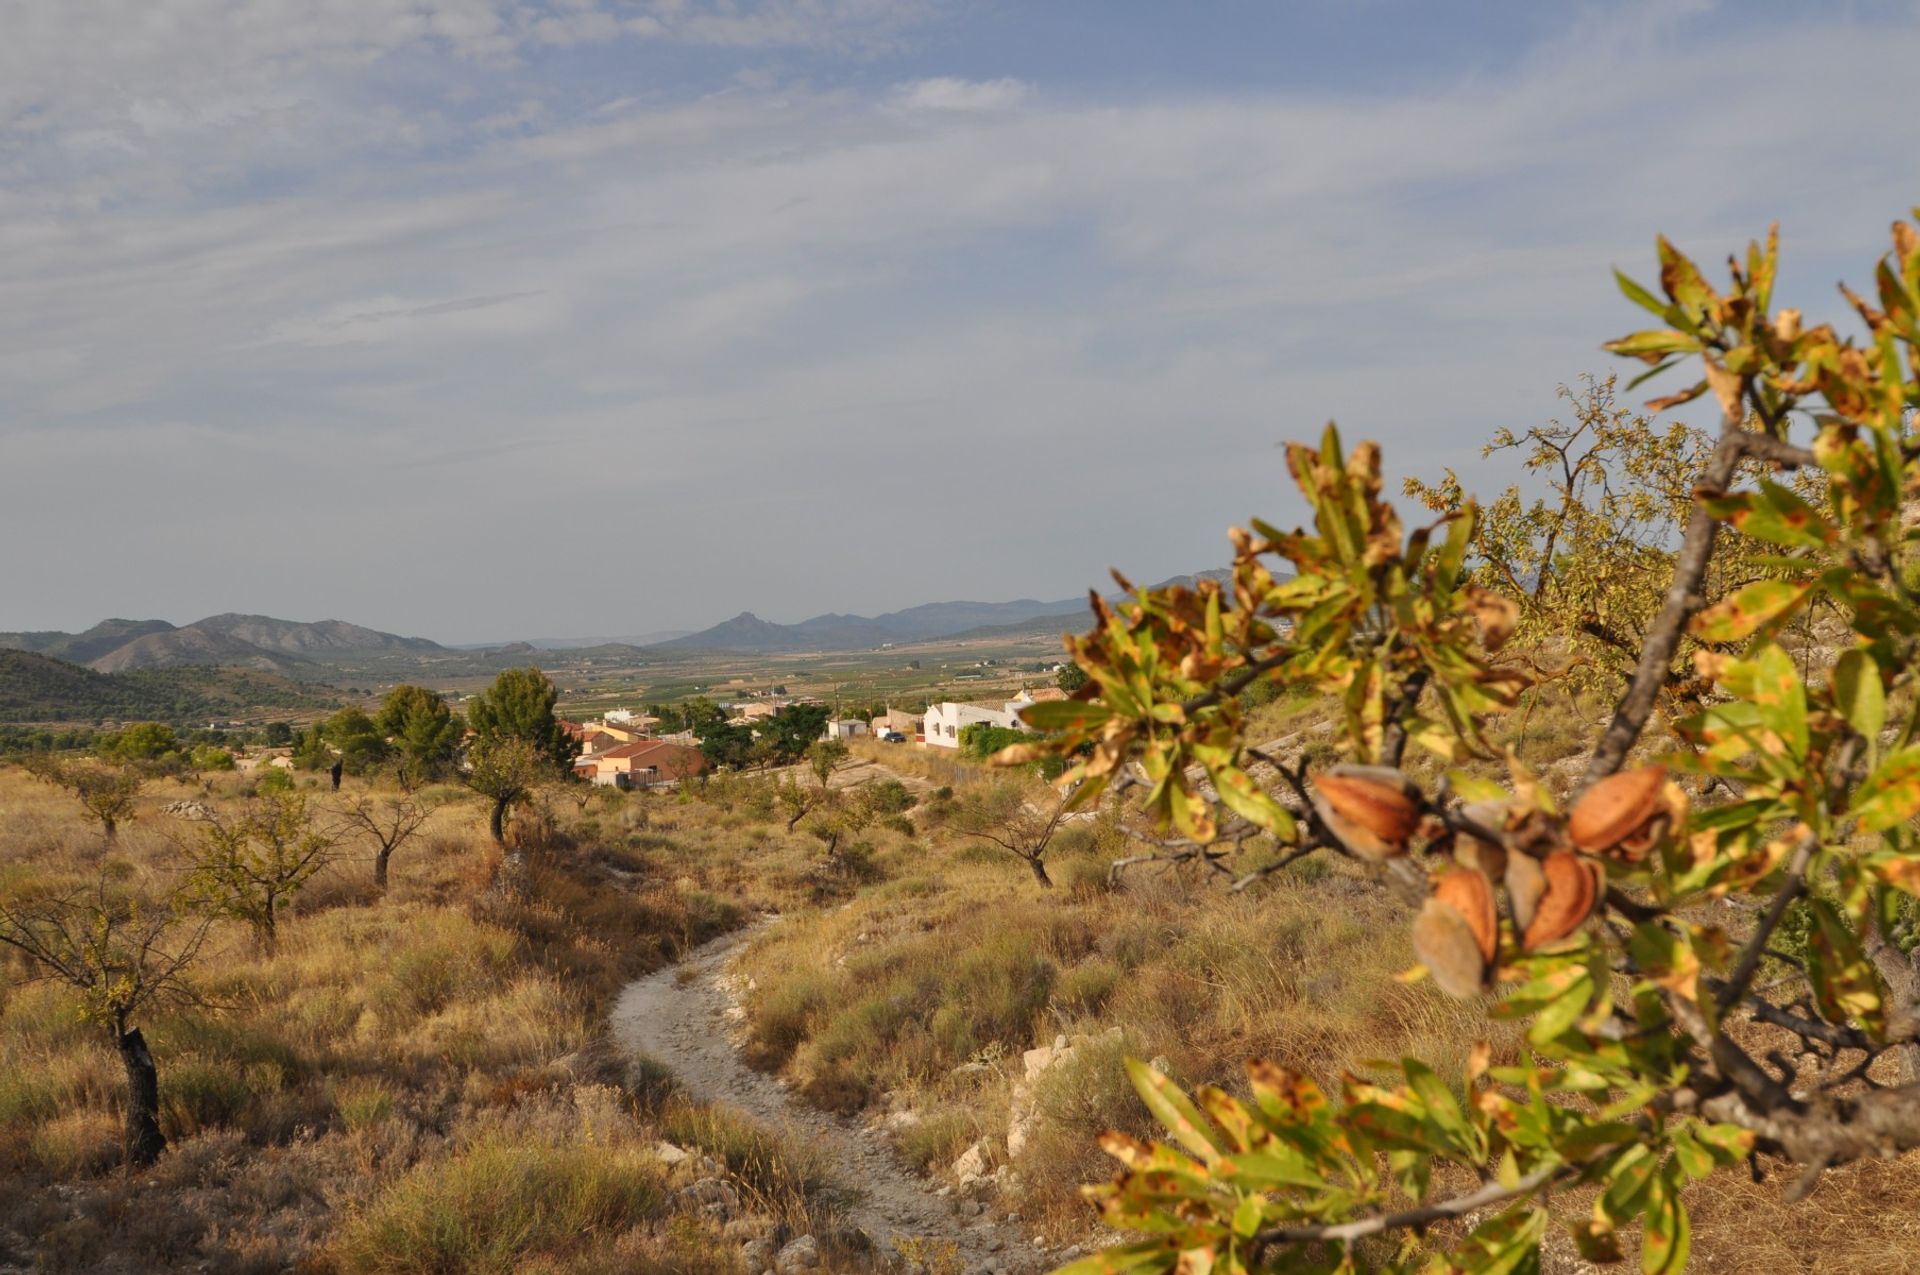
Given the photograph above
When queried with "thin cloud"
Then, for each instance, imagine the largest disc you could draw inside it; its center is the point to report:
(948, 93)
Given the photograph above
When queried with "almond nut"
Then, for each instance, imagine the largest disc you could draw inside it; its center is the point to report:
(1445, 942)
(1372, 809)
(1574, 889)
(1619, 812)
(1525, 884)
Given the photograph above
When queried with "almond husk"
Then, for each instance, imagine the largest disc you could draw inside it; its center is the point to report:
(1444, 940)
(1525, 884)
(1372, 809)
(1468, 892)
(1574, 888)
(1619, 809)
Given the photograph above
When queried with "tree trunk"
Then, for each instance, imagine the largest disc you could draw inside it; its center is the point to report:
(380, 868)
(144, 1141)
(1040, 872)
(497, 825)
(269, 926)
(1901, 972)
(110, 828)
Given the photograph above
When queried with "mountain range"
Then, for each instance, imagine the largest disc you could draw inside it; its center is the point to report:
(292, 648)
(749, 633)
(257, 642)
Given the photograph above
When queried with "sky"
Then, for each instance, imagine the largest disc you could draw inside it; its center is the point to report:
(488, 319)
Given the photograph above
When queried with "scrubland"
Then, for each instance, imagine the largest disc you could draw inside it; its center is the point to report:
(421, 1081)
(415, 1082)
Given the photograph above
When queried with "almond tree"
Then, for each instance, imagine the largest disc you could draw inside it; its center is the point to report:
(107, 793)
(389, 824)
(249, 868)
(1005, 816)
(123, 956)
(1640, 1004)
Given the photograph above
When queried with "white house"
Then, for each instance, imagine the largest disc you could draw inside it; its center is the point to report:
(844, 728)
(943, 721)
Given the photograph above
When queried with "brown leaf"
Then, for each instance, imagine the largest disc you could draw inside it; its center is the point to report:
(1496, 613)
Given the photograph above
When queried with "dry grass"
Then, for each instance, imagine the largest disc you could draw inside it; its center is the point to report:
(414, 1082)
(925, 989)
(420, 1082)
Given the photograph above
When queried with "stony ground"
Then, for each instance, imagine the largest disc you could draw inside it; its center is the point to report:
(685, 1017)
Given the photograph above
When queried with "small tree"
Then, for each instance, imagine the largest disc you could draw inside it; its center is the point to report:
(794, 729)
(519, 705)
(1007, 816)
(423, 729)
(389, 824)
(506, 770)
(249, 868)
(107, 793)
(123, 956)
(726, 745)
(353, 735)
(151, 744)
(824, 757)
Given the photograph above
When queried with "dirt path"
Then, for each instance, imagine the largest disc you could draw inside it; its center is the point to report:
(679, 1016)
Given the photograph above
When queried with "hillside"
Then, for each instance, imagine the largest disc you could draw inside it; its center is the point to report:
(83, 648)
(258, 642)
(40, 688)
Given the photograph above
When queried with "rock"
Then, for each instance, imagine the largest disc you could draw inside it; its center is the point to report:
(898, 1121)
(745, 1230)
(800, 1255)
(711, 1198)
(971, 1168)
(668, 1154)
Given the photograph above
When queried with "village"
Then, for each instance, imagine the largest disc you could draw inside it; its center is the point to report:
(625, 749)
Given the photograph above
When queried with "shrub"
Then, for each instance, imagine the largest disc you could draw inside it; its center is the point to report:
(497, 1205)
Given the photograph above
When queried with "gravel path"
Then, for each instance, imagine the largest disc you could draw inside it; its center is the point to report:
(681, 1017)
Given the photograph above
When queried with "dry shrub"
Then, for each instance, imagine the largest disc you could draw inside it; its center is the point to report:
(498, 1204)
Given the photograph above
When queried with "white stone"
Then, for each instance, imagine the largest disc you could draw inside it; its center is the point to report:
(800, 1255)
(971, 1167)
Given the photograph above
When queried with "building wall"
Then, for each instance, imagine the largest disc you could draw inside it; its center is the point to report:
(944, 721)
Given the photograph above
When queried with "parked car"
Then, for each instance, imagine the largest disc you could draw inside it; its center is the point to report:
(893, 737)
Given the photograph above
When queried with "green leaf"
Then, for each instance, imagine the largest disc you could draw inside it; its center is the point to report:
(1775, 514)
(1859, 695)
(1144, 1256)
(1667, 1234)
(1173, 1109)
(1781, 697)
(1069, 714)
(1745, 611)
(1891, 794)
(1563, 1011)
(1639, 295)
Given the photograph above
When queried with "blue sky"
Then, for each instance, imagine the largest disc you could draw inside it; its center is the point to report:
(493, 318)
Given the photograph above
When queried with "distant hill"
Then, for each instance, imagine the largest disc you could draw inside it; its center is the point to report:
(749, 633)
(258, 642)
(83, 648)
(315, 638)
(40, 688)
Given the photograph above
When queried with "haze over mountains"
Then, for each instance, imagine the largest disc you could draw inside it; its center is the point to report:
(270, 645)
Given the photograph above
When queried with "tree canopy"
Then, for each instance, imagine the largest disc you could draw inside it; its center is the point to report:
(423, 730)
(519, 705)
(1789, 785)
